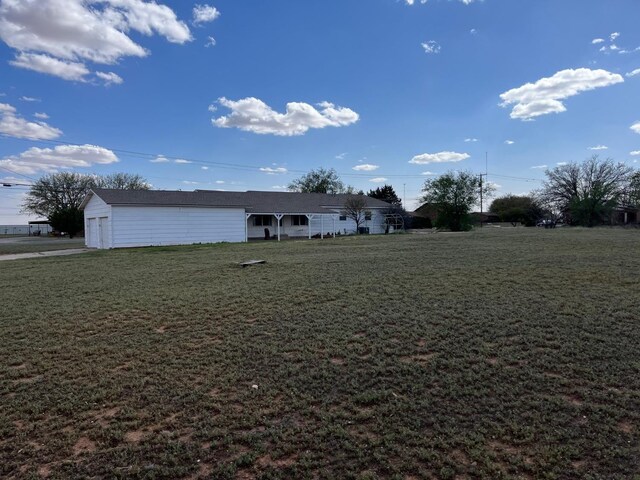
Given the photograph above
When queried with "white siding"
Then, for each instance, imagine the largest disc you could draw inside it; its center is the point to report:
(348, 226)
(319, 224)
(145, 226)
(97, 209)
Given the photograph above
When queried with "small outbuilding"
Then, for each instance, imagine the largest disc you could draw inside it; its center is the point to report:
(135, 218)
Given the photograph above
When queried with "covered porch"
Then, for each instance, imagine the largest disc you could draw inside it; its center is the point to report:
(291, 225)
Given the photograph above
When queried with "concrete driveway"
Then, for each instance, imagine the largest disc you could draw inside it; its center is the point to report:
(50, 253)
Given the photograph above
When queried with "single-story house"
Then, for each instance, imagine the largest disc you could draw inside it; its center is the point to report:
(135, 218)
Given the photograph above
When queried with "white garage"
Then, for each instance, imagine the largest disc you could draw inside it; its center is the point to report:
(130, 218)
(137, 218)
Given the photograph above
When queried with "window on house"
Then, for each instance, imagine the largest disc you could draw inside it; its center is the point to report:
(367, 215)
(298, 220)
(343, 218)
(262, 220)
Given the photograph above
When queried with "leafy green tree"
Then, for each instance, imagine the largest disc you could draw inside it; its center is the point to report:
(387, 194)
(69, 220)
(587, 192)
(318, 181)
(453, 195)
(517, 209)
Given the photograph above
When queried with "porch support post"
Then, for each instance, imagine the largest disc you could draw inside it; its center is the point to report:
(322, 226)
(333, 217)
(278, 218)
(246, 227)
(309, 217)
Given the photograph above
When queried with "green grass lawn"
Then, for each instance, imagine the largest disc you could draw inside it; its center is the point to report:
(493, 354)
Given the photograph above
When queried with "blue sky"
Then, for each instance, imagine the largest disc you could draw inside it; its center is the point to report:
(248, 94)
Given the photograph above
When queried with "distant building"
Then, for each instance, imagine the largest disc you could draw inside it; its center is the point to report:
(37, 227)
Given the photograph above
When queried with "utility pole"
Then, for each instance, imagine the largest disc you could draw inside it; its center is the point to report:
(486, 172)
(481, 188)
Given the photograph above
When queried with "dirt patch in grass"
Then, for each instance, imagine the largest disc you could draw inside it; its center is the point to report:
(84, 445)
(44, 471)
(626, 427)
(135, 436)
(268, 461)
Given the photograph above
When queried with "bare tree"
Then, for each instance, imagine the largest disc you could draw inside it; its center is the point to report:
(57, 191)
(586, 192)
(121, 181)
(354, 208)
(58, 196)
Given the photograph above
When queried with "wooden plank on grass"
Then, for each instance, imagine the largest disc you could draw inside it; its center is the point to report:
(252, 262)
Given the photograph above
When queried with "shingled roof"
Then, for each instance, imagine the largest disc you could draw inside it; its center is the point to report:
(251, 201)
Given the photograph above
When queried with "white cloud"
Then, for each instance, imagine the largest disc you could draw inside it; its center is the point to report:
(253, 115)
(212, 108)
(633, 73)
(182, 162)
(431, 47)
(109, 78)
(204, 168)
(509, 142)
(41, 116)
(614, 35)
(562, 164)
(189, 182)
(341, 156)
(470, 140)
(57, 36)
(599, 147)
(365, 167)
(538, 167)
(211, 42)
(37, 159)
(13, 125)
(220, 182)
(204, 13)
(636, 127)
(29, 99)
(544, 96)
(473, 31)
(279, 187)
(52, 66)
(378, 180)
(160, 159)
(273, 171)
(596, 41)
(428, 173)
(440, 157)
(635, 153)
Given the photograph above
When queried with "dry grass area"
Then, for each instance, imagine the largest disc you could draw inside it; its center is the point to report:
(15, 244)
(494, 354)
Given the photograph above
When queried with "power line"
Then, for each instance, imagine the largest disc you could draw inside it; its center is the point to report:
(236, 166)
